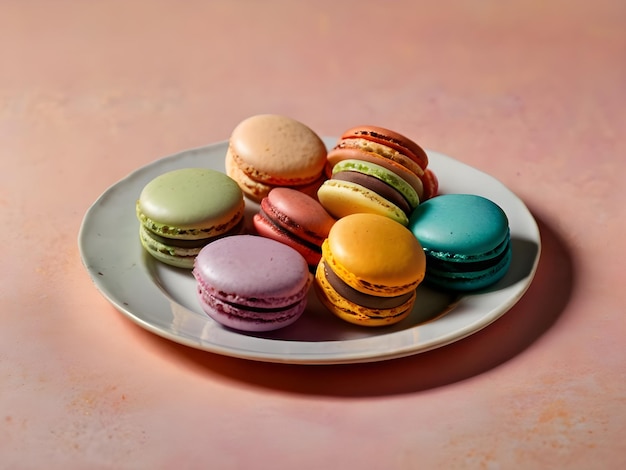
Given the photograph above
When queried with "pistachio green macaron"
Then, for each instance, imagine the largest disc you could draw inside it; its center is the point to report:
(183, 210)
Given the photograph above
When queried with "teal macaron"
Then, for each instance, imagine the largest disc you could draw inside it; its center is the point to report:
(466, 239)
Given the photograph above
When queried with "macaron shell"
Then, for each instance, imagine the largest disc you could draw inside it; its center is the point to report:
(256, 190)
(339, 154)
(268, 229)
(455, 261)
(390, 138)
(190, 203)
(248, 320)
(354, 313)
(430, 183)
(464, 225)
(383, 174)
(473, 280)
(299, 213)
(249, 270)
(381, 150)
(167, 254)
(277, 150)
(177, 252)
(342, 198)
(375, 185)
(374, 255)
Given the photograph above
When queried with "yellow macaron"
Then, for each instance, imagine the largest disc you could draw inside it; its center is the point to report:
(371, 266)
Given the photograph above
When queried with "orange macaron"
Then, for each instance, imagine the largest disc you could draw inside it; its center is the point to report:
(268, 150)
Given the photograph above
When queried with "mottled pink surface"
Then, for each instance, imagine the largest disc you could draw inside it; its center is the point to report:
(531, 92)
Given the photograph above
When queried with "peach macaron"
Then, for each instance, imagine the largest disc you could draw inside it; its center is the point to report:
(269, 150)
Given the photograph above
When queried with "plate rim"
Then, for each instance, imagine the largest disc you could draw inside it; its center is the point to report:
(302, 357)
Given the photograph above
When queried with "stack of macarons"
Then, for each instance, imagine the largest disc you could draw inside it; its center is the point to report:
(182, 210)
(295, 219)
(370, 269)
(376, 170)
(268, 150)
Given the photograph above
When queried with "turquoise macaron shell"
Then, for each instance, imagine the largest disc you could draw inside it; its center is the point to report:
(460, 226)
(466, 239)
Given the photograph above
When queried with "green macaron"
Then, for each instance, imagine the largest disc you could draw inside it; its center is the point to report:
(183, 210)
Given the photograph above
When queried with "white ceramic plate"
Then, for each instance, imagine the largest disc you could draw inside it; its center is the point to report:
(162, 299)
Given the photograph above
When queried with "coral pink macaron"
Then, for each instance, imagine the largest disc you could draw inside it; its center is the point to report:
(295, 219)
(252, 283)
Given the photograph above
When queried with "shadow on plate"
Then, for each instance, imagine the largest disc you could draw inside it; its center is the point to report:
(537, 311)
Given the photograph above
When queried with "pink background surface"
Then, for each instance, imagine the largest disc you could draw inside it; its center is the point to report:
(532, 92)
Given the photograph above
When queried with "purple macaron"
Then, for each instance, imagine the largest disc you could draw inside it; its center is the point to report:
(251, 283)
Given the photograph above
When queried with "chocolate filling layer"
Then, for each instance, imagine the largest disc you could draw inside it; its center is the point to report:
(378, 186)
(359, 298)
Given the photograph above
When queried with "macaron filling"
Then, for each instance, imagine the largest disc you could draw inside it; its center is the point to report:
(360, 298)
(288, 224)
(392, 139)
(377, 186)
(465, 263)
(257, 304)
(243, 310)
(342, 198)
(383, 174)
(341, 153)
(186, 243)
(355, 146)
(176, 256)
(270, 219)
(456, 269)
(470, 280)
(352, 312)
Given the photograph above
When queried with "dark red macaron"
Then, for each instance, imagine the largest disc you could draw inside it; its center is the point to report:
(295, 219)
